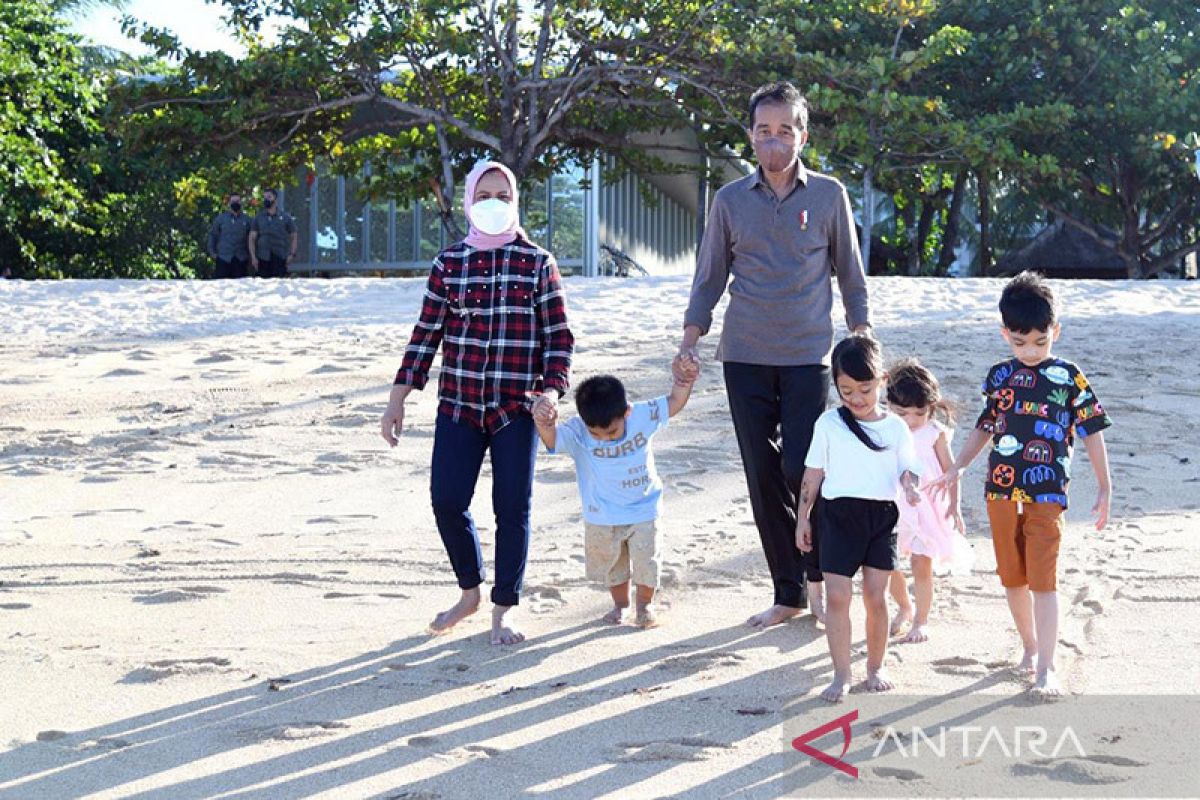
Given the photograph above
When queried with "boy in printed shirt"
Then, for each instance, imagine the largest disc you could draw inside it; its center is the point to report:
(1036, 404)
(618, 484)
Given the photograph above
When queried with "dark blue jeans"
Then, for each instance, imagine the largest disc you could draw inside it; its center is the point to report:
(458, 450)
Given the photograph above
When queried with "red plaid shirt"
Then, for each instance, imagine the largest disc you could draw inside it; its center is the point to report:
(501, 318)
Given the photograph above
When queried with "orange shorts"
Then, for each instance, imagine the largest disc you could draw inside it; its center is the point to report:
(1025, 537)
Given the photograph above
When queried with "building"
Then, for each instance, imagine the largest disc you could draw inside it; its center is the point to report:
(574, 215)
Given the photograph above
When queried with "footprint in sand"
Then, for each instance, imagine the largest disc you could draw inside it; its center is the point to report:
(543, 599)
(162, 670)
(214, 358)
(1097, 770)
(897, 773)
(293, 731)
(701, 662)
(688, 748)
(14, 606)
(123, 372)
(180, 595)
(959, 665)
(326, 369)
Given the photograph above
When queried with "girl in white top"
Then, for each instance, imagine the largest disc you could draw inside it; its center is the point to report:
(930, 533)
(861, 457)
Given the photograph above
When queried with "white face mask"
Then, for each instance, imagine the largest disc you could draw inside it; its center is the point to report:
(492, 216)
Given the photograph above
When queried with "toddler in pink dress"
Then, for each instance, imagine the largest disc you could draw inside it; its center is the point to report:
(931, 533)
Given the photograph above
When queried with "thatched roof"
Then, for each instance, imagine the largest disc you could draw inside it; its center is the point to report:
(1064, 251)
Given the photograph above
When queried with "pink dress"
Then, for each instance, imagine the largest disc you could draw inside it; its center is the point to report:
(923, 529)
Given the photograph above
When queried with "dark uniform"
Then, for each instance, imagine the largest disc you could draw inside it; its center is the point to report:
(228, 243)
(274, 242)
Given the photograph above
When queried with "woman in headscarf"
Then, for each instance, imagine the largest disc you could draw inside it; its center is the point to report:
(494, 302)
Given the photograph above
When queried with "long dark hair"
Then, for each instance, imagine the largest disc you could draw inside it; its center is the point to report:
(858, 357)
(912, 385)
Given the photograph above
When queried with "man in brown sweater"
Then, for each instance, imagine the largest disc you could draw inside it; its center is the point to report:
(780, 233)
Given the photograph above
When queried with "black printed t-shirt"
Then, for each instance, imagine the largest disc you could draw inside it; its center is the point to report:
(1033, 415)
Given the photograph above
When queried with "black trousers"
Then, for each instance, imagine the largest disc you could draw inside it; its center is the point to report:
(233, 268)
(774, 410)
(273, 267)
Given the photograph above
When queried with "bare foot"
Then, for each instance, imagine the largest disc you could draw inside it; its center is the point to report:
(903, 617)
(646, 618)
(816, 601)
(467, 605)
(501, 633)
(1046, 684)
(1026, 665)
(918, 633)
(614, 617)
(835, 692)
(878, 681)
(772, 616)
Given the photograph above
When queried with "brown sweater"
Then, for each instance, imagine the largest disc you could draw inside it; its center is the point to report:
(780, 254)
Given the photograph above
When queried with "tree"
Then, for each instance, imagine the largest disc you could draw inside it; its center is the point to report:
(877, 73)
(420, 90)
(1132, 72)
(47, 111)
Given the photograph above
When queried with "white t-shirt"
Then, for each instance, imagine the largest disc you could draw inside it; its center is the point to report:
(854, 470)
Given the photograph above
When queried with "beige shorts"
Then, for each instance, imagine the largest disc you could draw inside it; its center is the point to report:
(616, 553)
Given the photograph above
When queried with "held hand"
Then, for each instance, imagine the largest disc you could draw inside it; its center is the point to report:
(392, 423)
(545, 408)
(912, 495)
(686, 365)
(804, 535)
(943, 483)
(1101, 509)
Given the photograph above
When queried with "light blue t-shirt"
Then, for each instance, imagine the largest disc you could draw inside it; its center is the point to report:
(618, 483)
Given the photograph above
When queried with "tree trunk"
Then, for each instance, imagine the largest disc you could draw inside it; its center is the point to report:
(950, 237)
(909, 215)
(985, 220)
(1130, 249)
(868, 217)
(929, 207)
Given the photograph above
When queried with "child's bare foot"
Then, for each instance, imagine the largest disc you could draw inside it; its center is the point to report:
(816, 602)
(615, 616)
(903, 617)
(646, 618)
(918, 633)
(1047, 684)
(835, 692)
(878, 681)
(501, 633)
(467, 605)
(772, 616)
(1025, 667)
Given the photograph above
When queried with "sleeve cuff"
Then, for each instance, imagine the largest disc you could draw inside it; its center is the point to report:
(408, 377)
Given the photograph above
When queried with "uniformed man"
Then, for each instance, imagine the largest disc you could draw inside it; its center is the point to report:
(272, 238)
(228, 240)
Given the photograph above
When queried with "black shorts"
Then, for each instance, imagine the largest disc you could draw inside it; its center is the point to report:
(858, 533)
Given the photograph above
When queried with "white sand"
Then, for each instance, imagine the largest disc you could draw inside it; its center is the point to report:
(195, 502)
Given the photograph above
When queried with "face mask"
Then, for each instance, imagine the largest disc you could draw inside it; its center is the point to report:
(492, 216)
(236, 207)
(773, 154)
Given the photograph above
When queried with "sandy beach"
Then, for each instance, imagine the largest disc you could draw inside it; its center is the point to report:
(215, 576)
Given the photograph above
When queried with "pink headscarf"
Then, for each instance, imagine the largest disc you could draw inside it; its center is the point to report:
(475, 237)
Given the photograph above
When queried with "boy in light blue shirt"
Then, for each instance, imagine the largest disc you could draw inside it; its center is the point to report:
(618, 484)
